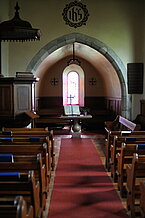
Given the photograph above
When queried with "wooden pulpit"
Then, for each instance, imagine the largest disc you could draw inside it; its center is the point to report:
(17, 101)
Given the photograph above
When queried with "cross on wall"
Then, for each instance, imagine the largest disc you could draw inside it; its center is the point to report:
(54, 81)
(92, 81)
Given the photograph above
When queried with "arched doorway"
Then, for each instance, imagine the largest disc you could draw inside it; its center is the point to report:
(96, 45)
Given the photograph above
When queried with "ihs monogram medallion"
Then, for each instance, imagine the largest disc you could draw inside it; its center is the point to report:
(75, 14)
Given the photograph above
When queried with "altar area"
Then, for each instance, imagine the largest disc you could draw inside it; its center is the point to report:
(75, 123)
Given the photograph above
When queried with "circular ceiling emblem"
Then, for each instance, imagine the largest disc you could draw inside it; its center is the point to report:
(75, 14)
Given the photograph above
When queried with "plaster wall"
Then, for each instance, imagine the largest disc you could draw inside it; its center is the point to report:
(118, 24)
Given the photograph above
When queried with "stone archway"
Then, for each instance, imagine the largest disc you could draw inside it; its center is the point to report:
(107, 52)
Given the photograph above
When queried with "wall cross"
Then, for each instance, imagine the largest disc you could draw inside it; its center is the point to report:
(92, 81)
(54, 81)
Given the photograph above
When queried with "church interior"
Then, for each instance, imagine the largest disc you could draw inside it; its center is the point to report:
(88, 55)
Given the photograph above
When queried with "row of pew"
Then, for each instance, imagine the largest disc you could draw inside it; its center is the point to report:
(125, 160)
(27, 159)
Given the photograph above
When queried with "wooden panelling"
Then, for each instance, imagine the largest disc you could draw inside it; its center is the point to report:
(95, 102)
(101, 109)
(22, 92)
(49, 102)
(5, 99)
(114, 105)
(142, 107)
(15, 101)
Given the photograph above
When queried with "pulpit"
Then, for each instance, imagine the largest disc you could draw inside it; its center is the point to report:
(17, 101)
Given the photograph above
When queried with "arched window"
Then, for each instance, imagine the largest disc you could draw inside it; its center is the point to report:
(73, 88)
(73, 85)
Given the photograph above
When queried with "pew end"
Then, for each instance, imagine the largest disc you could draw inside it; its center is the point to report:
(135, 174)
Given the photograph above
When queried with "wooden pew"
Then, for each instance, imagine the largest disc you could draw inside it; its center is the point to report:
(23, 184)
(124, 157)
(15, 208)
(118, 126)
(107, 144)
(116, 148)
(142, 199)
(48, 139)
(28, 138)
(25, 163)
(135, 174)
(25, 140)
(35, 132)
(24, 128)
(27, 149)
(36, 147)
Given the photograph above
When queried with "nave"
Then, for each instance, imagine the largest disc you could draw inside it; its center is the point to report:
(97, 140)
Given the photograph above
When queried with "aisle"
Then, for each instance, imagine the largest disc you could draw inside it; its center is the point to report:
(82, 188)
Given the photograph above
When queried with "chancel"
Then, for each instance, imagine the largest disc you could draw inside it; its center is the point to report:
(90, 64)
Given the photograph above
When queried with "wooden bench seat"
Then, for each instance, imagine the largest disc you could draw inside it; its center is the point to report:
(20, 149)
(24, 129)
(109, 140)
(24, 184)
(119, 126)
(116, 148)
(35, 132)
(110, 137)
(25, 163)
(142, 199)
(124, 157)
(28, 145)
(135, 174)
(15, 208)
(31, 138)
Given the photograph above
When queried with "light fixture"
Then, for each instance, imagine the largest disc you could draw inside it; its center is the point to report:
(17, 29)
(74, 60)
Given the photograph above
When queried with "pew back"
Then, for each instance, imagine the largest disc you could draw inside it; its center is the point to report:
(135, 174)
(24, 184)
(116, 148)
(142, 198)
(15, 208)
(25, 163)
(109, 140)
(35, 135)
(28, 149)
(125, 157)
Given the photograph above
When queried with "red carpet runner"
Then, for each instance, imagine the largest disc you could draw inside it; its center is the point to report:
(82, 188)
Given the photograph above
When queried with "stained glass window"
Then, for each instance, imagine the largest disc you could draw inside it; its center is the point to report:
(73, 88)
(73, 85)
